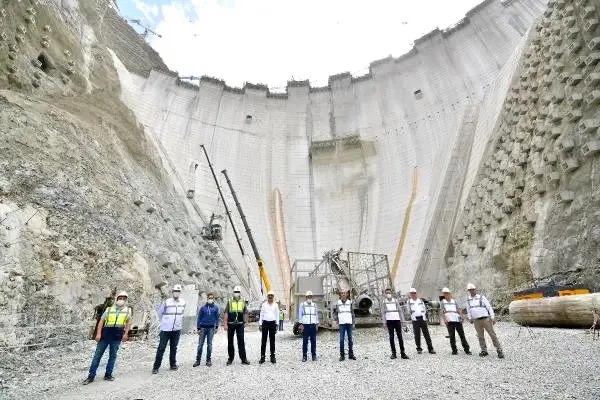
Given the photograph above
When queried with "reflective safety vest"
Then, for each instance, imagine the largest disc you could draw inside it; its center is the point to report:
(281, 315)
(450, 309)
(417, 309)
(236, 311)
(116, 318)
(476, 307)
(309, 315)
(344, 311)
(391, 310)
(173, 314)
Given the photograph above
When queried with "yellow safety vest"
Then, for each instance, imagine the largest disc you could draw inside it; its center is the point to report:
(236, 306)
(116, 318)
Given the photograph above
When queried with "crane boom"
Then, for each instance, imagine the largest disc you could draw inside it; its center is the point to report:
(261, 268)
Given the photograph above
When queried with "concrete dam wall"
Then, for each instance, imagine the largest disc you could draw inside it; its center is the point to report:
(343, 160)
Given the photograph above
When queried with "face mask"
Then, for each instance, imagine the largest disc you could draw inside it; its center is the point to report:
(120, 303)
(388, 295)
(210, 301)
(237, 295)
(309, 301)
(176, 295)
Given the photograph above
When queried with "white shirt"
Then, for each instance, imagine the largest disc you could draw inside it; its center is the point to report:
(450, 310)
(344, 312)
(391, 311)
(479, 307)
(417, 309)
(269, 312)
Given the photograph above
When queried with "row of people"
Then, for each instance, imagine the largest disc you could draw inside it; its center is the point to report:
(115, 324)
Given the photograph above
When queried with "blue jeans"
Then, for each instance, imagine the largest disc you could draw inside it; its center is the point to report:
(113, 347)
(171, 337)
(205, 333)
(309, 332)
(346, 328)
(280, 324)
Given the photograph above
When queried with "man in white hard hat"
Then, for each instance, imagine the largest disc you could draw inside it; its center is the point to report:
(453, 319)
(481, 314)
(308, 316)
(390, 314)
(113, 328)
(418, 315)
(344, 316)
(268, 323)
(235, 318)
(170, 315)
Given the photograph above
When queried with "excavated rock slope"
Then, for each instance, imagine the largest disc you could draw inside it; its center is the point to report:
(85, 203)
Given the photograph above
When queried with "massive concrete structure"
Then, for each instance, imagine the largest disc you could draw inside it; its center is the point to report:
(344, 158)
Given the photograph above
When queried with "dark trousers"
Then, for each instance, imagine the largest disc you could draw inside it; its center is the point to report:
(418, 326)
(238, 330)
(397, 327)
(346, 329)
(454, 327)
(268, 328)
(113, 347)
(309, 333)
(171, 337)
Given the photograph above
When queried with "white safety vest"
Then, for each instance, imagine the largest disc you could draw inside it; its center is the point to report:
(344, 312)
(173, 314)
(309, 316)
(392, 313)
(450, 309)
(417, 309)
(478, 307)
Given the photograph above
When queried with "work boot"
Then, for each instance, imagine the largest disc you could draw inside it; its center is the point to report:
(303, 358)
(246, 362)
(468, 352)
(500, 354)
(196, 363)
(108, 377)
(342, 357)
(262, 360)
(351, 356)
(229, 362)
(432, 351)
(154, 371)
(174, 367)
(314, 358)
(208, 363)
(419, 351)
(404, 356)
(88, 380)
(273, 360)
(393, 357)
(483, 354)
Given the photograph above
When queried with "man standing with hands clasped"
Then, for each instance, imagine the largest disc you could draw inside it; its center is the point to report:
(344, 314)
(207, 325)
(453, 319)
(268, 323)
(390, 313)
(170, 315)
(234, 320)
(418, 315)
(308, 315)
(481, 314)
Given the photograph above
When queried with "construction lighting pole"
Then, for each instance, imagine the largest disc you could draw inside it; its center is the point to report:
(237, 237)
(259, 261)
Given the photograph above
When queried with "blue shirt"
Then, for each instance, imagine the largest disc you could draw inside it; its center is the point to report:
(208, 316)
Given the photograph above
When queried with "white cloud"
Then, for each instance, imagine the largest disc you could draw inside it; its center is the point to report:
(149, 11)
(270, 41)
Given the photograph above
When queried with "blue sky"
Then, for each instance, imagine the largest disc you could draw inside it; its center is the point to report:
(272, 41)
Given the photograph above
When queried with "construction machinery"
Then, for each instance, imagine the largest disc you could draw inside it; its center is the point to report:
(364, 275)
(147, 30)
(212, 231)
(261, 268)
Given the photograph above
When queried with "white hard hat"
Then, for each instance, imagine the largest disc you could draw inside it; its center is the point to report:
(446, 290)
(122, 294)
(237, 288)
(308, 293)
(270, 293)
(471, 286)
(177, 288)
(413, 290)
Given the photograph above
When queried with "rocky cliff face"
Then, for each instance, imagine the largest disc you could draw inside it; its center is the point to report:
(532, 213)
(86, 205)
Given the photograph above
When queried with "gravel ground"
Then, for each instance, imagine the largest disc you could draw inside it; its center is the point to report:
(554, 364)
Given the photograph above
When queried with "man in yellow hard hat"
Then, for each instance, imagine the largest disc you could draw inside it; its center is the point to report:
(113, 328)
